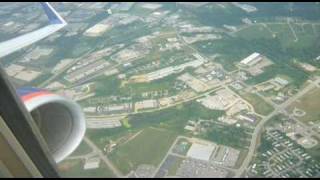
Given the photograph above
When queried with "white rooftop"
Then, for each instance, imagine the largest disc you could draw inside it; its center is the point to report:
(281, 81)
(13, 69)
(189, 128)
(250, 58)
(92, 163)
(200, 151)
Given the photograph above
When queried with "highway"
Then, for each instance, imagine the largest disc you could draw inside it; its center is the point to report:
(161, 108)
(258, 128)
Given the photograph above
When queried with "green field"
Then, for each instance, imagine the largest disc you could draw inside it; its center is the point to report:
(215, 15)
(74, 169)
(149, 147)
(101, 137)
(173, 119)
(303, 48)
(161, 84)
(111, 85)
(140, 11)
(82, 149)
(309, 103)
(260, 106)
(106, 86)
(281, 48)
(314, 152)
(283, 32)
(294, 74)
(309, 29)
(255, 31)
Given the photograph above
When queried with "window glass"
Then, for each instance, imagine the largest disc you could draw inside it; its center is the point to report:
(186, 89)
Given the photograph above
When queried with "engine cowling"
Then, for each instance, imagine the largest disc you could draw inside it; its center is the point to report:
(60, 120)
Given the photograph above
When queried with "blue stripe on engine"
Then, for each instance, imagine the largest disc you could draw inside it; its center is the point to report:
(27, 90)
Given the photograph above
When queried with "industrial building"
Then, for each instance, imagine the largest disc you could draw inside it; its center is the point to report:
(146, 104)
(97, 30)
(22, 73)
(194, 83)
(252, 59)
(201, 151)
(95, 123)
(92, 163)
(87, 71)
(111, 109)
(281, 81)
(161, 73)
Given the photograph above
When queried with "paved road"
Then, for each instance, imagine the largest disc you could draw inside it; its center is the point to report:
(103, 157)
(292, 30)
(161, 108)
(257, 130)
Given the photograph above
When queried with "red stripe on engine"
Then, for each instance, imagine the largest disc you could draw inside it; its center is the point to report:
(32, 95)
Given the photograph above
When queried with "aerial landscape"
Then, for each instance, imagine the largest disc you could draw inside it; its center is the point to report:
(177, 89)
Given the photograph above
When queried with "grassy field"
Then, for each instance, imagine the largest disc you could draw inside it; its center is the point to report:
(283, 32)
(294, 74)
(149, 147)
(314, 152)
(138, 88)
(259, 105)
(82, 149)
(173, 119)
(106, 86)
(309, 103)
(254, 32)
(139, 11)
(101, 137)
(317, 29)
(74, 168)
(305, 34)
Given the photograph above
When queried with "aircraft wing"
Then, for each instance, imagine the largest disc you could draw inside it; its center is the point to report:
(56, 23)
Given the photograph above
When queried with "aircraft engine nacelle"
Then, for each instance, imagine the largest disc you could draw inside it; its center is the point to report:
(60, 120)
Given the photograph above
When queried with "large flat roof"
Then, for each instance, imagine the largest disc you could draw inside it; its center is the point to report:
(250, 58)
(200, 151)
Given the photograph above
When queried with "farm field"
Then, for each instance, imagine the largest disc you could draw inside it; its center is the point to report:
(310, 104)
(149, 147)
(74, 168)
